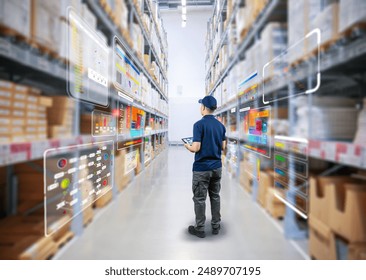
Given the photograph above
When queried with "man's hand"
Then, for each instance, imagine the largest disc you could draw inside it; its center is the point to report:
(196, 146)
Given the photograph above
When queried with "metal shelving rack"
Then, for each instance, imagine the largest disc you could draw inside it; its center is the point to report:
(346, 55)
(49, 75)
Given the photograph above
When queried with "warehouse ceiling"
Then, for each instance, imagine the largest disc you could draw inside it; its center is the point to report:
(174, 4)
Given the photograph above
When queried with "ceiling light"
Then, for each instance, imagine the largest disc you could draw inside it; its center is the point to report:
(184, 2)
(184, 23)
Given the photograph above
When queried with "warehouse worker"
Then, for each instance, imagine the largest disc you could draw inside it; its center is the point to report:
(208, 141)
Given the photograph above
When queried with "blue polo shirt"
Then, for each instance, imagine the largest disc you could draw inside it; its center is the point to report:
(210, 133)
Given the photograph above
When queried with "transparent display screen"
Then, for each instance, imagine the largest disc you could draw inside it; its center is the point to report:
(88, 67)
(286, 69)
(75, 177)
(291, 171)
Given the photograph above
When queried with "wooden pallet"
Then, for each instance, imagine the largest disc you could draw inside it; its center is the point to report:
(354, 31)
(63, 240)
(26, 247)
(44, 49)
(9, 32)
(299, 61)
(104, 199)
(88, 215)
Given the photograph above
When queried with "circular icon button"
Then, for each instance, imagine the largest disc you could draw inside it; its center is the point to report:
(62, 163)
(105, 182)
(65, 183)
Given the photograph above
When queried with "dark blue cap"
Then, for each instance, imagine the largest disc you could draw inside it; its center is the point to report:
(209, 102)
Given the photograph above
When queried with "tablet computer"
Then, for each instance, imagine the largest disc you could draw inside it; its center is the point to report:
(187, 140)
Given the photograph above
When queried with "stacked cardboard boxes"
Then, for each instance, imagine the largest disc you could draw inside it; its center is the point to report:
(22, 113)
(45, 24)
(301, 16)
(351, 13)
(337, 208)
(328, 22)
(20, 24)
(273, 42)
(121, 179)
(60, 117)
(247, 15)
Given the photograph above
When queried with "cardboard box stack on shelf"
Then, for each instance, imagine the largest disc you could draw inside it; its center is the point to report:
(301, 16)
(61, 124)
(137, 39)
(22, 113)
(45, 24)
(121, 179)
(273, 42)
(336, 216)
(351, 14)
(328, 22)
(30, 186)
(23, 235)
(246, 16)
(331, 118)
(16, 25)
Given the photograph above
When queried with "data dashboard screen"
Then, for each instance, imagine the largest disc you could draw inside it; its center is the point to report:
(255, 127)
(126, 76)
(88, 67)
(75, 177)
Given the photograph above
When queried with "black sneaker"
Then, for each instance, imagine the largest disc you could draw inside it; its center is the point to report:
(215, 231)
(192, 230)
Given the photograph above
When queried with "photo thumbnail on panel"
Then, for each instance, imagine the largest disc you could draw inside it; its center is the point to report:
(88, 62)
(290, 68)
(75, 177)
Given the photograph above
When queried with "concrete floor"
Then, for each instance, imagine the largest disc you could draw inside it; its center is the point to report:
(149, 220)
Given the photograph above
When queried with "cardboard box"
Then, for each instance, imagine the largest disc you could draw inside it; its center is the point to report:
(45, 24)
(275, 207)
(45, 101)
(322, 242)
(348, 204)
(104, 198)
(6, 93)
(357, 251)
(60, 118)
(320, 206)
(351, 12)
(59, 131)
(16, 15)
(6, 85)
(265, 182)
(328, 22)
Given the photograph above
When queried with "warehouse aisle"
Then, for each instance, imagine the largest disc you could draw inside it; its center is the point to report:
(149, 220)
